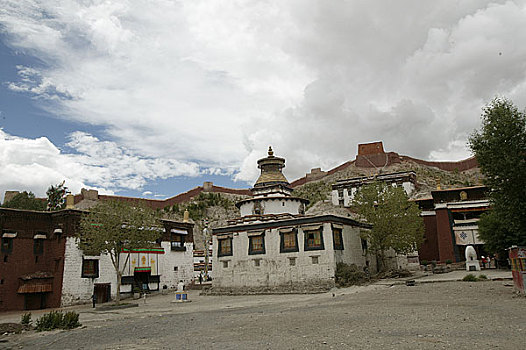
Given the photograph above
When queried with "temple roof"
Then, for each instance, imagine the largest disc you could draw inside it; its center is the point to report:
(271, 170)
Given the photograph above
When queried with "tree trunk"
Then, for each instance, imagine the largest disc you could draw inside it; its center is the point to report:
(381, 260)
(118, 291)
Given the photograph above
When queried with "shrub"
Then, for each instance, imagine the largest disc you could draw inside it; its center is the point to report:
(348, 275)
(424, 262)
(70, 320)
(483, 277)
(470, 278)
(448, 261)
(56, 319)
(49, 321)
(26, 319)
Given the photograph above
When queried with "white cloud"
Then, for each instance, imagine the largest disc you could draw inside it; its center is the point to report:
(215, 83)
(35, 164)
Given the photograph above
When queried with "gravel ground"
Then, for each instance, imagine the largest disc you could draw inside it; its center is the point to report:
(457, 315)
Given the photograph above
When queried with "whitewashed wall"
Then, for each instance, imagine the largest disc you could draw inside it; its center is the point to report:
(272, 206)
(275, 269)
(184, 261)
(75, 288)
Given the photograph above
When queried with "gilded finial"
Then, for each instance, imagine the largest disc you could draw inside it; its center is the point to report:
(270, 151)
(439, 187)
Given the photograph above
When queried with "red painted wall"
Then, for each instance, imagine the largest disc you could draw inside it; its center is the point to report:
(22, 261)
(429, 248)
(444, 236)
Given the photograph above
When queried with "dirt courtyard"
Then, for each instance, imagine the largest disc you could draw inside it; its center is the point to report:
(448, 315)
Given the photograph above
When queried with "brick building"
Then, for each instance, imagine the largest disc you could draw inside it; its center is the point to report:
(41, 265)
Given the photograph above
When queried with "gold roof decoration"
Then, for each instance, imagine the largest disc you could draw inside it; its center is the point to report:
(271, 167)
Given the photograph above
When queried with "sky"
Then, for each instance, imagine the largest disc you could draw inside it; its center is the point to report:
(151, 98)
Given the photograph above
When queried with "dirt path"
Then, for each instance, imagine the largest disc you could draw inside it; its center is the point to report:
(455, 315)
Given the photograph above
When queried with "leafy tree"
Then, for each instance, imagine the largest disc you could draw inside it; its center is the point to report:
(500, 149)
(56, 197)
(396, 222)
(25, 200)
(114, 227)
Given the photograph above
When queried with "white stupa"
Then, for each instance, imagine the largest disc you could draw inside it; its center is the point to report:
(272, 193)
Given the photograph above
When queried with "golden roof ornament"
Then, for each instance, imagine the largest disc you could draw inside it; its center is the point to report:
(270, 151)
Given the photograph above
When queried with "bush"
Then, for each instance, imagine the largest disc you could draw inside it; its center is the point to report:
(56, 319)
(424, 262)
(448, 261)
(70, 320)
(26, 319)
(348, 275)
(483, 277)
(470, 278)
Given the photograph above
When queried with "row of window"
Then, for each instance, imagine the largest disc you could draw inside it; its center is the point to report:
(288, 242)
(7, 246)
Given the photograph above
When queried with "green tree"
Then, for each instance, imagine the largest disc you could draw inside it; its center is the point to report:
(56, 197)
(114, 228)
(500, 149)
(396, 222)
(25, 200)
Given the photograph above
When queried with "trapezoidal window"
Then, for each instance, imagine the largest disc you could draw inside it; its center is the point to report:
(288, 240)
(90, 268)
(256, 244)
(313, 239)
(224, 246)
(337, 238)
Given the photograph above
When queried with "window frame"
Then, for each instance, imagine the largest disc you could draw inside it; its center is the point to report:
(282, 248)
(38, 246)
(9, 248)
(321, 246)
(337, 232)
(95, 273)
(251, 250)
(173, 240)
(220, 247)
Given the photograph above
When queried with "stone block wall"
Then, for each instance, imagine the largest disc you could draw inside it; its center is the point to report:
(302, 271)
(176, 265)
(77, 289)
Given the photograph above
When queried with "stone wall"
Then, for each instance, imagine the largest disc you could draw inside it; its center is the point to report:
(176, 266)
(273, 272)
(77, 289)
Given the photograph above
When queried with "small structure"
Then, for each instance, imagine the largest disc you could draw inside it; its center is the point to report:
(275, 247)
(343, 191)
(517, 257)
(472, 263)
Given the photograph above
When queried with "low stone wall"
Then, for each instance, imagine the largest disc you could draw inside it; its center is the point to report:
(296, 288)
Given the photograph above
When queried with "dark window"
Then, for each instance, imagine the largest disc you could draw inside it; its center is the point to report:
(292, 261)
(314, 240)
(289, 241)
(7, 245)
(225, 246)
(177, 242)
(90, 268)
(38, 246)
(256, 244)
(364, 245)
(337, 238)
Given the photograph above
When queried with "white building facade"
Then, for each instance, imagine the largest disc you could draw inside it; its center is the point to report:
(147, 270)
(275, 247)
